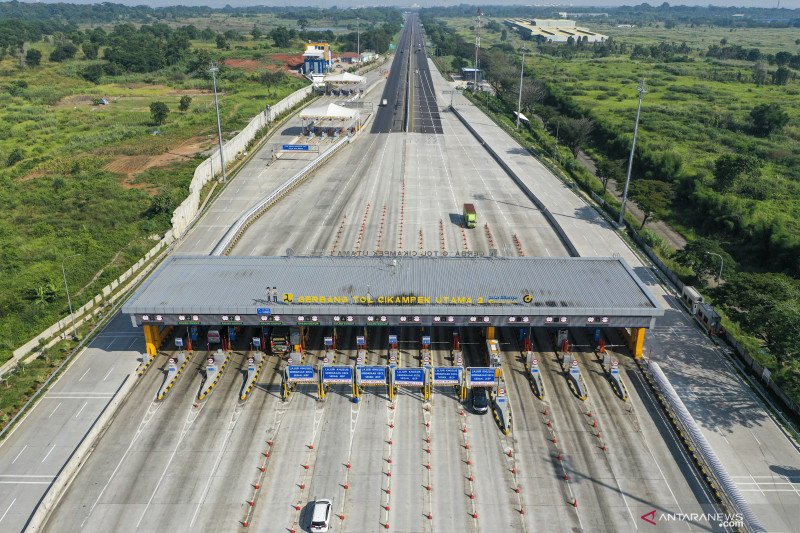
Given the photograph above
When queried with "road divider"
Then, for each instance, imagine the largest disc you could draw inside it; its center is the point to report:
(214, 370)
(175, 367)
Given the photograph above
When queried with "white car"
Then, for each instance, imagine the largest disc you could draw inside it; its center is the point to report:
(321, 517)
(384, 102)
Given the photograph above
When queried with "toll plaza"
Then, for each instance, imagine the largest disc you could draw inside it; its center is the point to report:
(553, 292)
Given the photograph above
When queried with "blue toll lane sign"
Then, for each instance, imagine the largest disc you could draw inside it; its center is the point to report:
(337, 374)
(372, 375)
(300, 374)
(446, 375)
(482, 376)
(409, 377)
(296, 147)
(264, 311)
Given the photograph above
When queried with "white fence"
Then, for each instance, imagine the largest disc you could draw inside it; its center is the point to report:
(181, 219)
(186, 212)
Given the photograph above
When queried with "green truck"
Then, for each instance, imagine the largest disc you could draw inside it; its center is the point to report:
(470, 217)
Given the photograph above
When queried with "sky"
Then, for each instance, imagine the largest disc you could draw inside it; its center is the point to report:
(792, 4)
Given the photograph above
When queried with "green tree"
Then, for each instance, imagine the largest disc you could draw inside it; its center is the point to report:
(90, 50)
(280, 36)
(609, 169)
(759, 73)
(302, 23)
(222, 43)
(696, 256)
(504, 34)
(781, 76)
(575, 132)
(768, 118)
(15, 157)
(33, 57)
(92, 73)
(63, 52)
(159, 112)
(653, 197)
(729, 168)
(184, 103)
(459, 63)
(256, 33)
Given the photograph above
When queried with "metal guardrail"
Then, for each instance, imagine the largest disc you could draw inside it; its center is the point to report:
(232, 236)
(729, 488)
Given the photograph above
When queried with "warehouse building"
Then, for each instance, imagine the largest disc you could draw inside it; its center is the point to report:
(553, 30)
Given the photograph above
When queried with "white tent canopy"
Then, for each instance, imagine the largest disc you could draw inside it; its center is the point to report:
(329, 111)
(345, 78)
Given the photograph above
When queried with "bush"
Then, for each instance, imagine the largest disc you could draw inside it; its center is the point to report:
(15, 157)
(63, 52)
(159, 112)
(33, 57)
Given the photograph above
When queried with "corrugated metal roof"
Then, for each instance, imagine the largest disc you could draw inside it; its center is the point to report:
(203, 284)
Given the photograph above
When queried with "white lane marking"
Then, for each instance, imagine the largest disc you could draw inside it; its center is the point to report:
(56, 409)
(81, 409)
(84, 374)
(26, 475)
(25, 482)
(110, 370)
(148, 416)
(754, 436)
(79, 397)
(191, 416)
(20, 453)
(723, 436)
(53, 447)
(231, 426)
(8, 509)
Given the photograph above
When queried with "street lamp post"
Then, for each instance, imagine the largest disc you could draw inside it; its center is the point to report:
(213, 70)
(66, 288)
(521, 73)
(642, 91)
(721, 262)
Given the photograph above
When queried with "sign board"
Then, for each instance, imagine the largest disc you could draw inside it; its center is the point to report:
(337, 374)
(329, 341)
(179, 342)
(360, 341)
(392, 339)
(482, 376)
(574, 370)
(300, 374)
(256, 342)
(296, 147)
(263, 311)
(596, 335)
(446, 375)
(372, 375)
(409, 377)
(426, 340)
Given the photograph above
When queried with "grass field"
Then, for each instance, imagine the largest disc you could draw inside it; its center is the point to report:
(100, 180)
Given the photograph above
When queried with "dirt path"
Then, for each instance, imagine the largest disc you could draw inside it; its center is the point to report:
(674, 239)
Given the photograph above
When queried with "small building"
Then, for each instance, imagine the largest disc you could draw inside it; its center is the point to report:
(350, 57)
(368, 56)
(553, 30)
(468, 74)
(317, 58)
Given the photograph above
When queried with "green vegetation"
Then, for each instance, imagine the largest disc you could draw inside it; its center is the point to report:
(718, 152)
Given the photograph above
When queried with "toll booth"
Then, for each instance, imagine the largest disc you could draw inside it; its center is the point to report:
(425, 352)
(458, 357)
(361, 348)
(329, 356)
(394, 351)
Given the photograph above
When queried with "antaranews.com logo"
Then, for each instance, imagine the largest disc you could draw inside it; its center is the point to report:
(720, 519)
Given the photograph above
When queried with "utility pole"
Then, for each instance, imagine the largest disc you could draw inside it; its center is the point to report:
(521, 73)
(642, 92)
(66, 288)
(477, 45)
(358, 38)
(213, 70)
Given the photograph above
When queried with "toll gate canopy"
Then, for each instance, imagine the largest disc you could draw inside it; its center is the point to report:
(394, 291)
